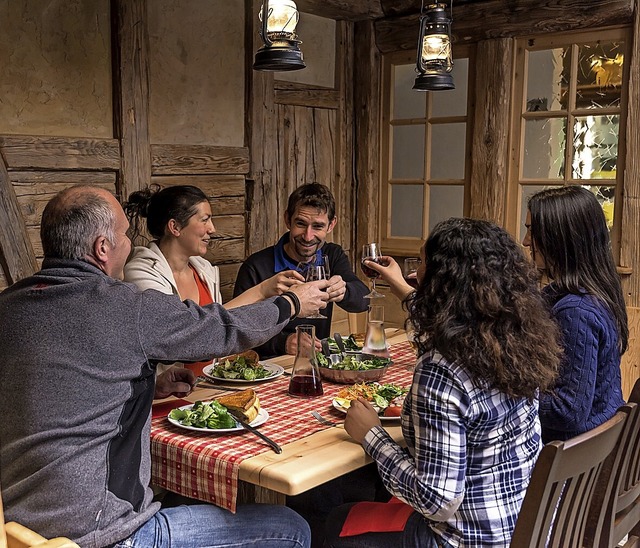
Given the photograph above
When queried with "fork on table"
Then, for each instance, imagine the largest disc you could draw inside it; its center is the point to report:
(324, 420)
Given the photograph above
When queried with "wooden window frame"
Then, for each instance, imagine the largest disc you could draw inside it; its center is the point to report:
(513, 209)
(405, 245)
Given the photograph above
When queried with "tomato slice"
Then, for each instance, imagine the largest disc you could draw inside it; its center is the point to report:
(392, 411)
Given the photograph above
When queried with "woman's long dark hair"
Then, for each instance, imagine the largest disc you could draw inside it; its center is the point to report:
(569, 230)
(158, 206)
(479, 305)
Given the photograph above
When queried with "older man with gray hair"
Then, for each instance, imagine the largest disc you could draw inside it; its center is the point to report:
(77, 378)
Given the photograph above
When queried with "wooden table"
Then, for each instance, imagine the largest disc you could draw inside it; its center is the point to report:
(311, 461)
(303, 464)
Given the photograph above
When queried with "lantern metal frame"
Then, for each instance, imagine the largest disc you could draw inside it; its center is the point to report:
(281, 51)
(435, 74)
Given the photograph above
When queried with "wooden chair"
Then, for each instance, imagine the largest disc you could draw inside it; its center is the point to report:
(622, 507)
(14, 535)
(556, 506)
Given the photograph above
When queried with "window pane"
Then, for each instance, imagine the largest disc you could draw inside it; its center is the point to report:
(445, 201)
(525, 193)
(548, 80)
(407, 103)
(595, 147)
(447, 151)
(605, 195)
(544, 142)
(408, 152)
(453, 102)
(600, 75)
(407, 210)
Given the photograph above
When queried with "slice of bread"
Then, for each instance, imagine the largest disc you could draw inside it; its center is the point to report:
(251, 356)
(245, 402)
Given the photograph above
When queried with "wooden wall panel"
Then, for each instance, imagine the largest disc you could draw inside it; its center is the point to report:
(229, 226)
(228, 274)
(226, 250)
(32, 205)
(213, 186)
(59, 153)
(198, 159)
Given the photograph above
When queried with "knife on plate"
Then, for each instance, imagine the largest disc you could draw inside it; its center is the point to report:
(243, 422)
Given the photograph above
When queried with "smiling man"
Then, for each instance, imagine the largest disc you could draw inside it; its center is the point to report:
(310, 217)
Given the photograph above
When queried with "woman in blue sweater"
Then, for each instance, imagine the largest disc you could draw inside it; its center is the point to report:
(569, 241)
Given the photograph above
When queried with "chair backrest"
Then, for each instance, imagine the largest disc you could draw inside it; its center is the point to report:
(556, 506)
(622, 505)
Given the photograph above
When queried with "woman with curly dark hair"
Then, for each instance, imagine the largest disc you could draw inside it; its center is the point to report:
(486, 345)
(569, 242)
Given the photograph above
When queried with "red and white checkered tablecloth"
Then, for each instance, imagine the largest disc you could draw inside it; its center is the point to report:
(205, 466)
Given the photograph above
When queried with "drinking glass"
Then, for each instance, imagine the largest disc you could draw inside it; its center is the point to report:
(410, 271)
(313, 271)
(375, 340)
(371, 252)
(305, 377)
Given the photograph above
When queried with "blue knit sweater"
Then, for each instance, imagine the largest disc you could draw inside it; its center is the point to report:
(589, 388)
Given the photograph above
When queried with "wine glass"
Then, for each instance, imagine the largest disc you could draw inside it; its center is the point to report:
(314, 271)
(410, 271)
(371, 252)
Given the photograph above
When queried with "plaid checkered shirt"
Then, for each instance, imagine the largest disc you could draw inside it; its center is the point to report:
(469, 457)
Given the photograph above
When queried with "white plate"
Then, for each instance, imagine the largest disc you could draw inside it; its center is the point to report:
(262, 417)
(275, 370)
(345, 409)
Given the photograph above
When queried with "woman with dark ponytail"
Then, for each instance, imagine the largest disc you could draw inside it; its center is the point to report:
(179, 219)
(569, 242)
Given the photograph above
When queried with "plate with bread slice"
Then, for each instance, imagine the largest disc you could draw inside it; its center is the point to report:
(214, 416)
(243, 368)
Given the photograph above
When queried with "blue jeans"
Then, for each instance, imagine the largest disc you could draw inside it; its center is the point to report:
(205, 525)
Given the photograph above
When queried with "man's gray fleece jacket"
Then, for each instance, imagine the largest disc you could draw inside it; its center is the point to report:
(77, 373)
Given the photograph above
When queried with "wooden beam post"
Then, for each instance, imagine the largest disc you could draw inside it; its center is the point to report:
(367, 105)
(131, 93)
(16, 252)
(630, 232)
(490, 141)
(260, 133)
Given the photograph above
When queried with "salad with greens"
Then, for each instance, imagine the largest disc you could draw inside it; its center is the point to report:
(204, 415)
(352, 362)
(240, 368)
(383, 397)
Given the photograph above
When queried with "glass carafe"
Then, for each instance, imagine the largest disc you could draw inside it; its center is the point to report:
(375, 341)
(305, 379)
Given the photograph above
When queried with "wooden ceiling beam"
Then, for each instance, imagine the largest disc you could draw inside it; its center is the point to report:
(348, 10)
(502, 19)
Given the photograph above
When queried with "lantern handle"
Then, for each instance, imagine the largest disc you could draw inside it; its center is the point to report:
(265, 17)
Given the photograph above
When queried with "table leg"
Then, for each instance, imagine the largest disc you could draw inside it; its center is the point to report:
(249, 493)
